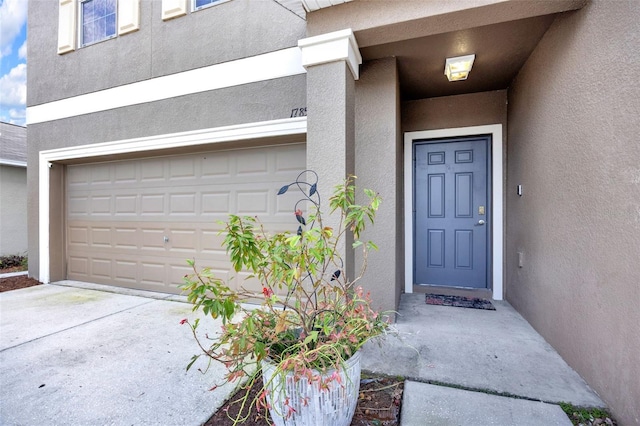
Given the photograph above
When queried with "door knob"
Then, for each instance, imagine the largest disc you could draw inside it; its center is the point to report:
(480, 222)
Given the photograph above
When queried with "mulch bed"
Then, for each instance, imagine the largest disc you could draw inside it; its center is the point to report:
(14, 283)
(12, 269)
(379, 404)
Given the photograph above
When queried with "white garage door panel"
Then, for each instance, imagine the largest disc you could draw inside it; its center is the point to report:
(134, 223)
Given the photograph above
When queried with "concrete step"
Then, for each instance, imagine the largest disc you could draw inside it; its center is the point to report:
(425, 404)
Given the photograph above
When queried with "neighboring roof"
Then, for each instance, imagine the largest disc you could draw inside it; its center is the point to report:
(13, 145)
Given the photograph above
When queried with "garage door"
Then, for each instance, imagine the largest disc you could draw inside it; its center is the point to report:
(134, 223)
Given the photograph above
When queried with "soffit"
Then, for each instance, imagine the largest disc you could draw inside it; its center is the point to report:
(376, 22)
(500, 49)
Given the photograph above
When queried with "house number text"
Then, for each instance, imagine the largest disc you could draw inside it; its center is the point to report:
(299, 112)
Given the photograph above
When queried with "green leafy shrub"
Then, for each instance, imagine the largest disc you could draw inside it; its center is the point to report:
(311, 317)
(13, 261)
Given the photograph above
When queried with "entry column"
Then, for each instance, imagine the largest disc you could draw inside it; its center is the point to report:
(332, 62)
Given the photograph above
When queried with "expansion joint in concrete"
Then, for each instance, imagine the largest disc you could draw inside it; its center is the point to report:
(78, 325)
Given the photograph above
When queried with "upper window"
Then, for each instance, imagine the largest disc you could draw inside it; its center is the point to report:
(199, 4)
(97, 21)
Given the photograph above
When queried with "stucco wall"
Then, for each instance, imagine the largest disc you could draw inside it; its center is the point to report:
(474, 109)
(262, 101)
(573, 145)
(202, 38)
(205, 37)
(247, 103)
(379, 167)
(13, 210)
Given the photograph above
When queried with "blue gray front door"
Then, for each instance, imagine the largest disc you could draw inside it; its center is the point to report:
(452, 212)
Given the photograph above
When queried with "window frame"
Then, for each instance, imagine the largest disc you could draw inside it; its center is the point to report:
(206, 6)
(81, 42)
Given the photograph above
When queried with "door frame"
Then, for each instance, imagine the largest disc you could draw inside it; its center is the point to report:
(497, 202)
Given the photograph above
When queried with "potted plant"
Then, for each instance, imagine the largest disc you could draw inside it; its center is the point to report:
(311, 320)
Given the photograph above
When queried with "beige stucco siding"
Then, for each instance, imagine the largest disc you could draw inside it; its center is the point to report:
(249, 103)
(378, 166)
(451, 112)
(573, 146)
(475, 109)
(569, 125)
(13, 210)
(209, 36)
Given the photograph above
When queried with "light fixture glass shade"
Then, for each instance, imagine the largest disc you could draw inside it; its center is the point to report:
(458, 68)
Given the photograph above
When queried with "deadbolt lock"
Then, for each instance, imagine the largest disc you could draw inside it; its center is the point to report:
(481, 210)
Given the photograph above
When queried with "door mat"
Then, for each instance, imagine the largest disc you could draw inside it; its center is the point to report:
(459, 301)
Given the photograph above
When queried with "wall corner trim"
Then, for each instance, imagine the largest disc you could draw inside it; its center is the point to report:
(43, 218)
(332, 47)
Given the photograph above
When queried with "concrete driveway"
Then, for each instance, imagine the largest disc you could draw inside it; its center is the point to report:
(87, 356)
(79, 356)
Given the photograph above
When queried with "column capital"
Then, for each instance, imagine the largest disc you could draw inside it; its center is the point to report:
(332, 47)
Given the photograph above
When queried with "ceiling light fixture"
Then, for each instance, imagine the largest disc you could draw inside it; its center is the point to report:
(458, 68)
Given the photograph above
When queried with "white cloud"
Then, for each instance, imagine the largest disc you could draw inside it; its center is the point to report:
(14, 116)
(13, 86)
(17, 114)
(22, 52)
(13, 15)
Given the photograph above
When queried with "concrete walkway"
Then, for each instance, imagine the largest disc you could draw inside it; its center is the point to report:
(72, 356)
(490, 367)
(87, 356)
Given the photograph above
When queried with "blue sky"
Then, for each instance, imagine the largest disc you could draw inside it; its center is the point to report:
(13, 61)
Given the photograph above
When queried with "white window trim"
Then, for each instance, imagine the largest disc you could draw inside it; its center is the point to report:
(128, 19)
(67, 26)
(263, 129)
(81, 43)
(497, 255)
(70, 29)
(173, 9)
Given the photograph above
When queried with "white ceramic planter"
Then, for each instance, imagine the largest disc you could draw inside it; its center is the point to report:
(334, 406)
